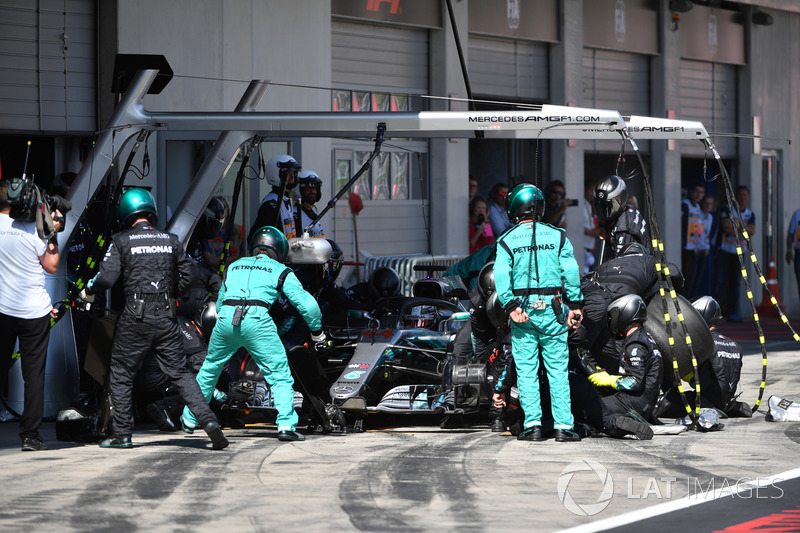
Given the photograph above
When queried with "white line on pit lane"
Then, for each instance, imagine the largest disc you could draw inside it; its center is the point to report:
(683, 503)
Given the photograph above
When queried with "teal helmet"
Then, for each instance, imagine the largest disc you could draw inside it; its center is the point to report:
(136, 203)
(525, 201)
(270, 241)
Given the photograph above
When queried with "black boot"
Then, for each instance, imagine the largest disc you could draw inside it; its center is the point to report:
(159, 413)
(533, 433)
(117, 441)
(453, 421)
(286, 435)
(566, 435)
(214, 432)
(631, 426)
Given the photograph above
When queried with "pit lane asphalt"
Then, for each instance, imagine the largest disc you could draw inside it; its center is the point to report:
(416, 478)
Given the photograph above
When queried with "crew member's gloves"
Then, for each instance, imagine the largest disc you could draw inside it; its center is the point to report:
(86, 295)
(604, 379)
(320, 341)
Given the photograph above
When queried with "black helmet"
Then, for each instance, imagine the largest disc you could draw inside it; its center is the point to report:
(577, 336)
(610, 197)
(271, 241)
(309, 178)
(207, 319)
(524, 201)
(214, 216)
(332, 267)
(709, 309)
(495, 312)
(623, 312)
(383, 283)
(634, 248)
(136, 203)
(486, 280)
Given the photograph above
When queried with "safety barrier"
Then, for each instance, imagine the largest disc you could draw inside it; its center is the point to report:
(404, 265)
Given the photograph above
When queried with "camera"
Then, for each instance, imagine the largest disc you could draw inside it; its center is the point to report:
(24, 198)
(571, 203)
(481, 219)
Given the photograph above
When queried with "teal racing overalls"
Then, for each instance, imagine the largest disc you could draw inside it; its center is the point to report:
(533, 273)
(252, 283)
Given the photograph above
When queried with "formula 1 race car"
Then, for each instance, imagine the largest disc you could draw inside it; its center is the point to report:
(396, 358)
(402, 363)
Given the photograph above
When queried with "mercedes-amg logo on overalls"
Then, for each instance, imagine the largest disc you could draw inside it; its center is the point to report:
(589, 509)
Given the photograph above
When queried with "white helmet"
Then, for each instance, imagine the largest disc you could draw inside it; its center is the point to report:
(309, 178)
(277, 166)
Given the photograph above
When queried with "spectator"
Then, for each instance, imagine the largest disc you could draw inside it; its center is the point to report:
(793, 244)
(555, 205)
(726, 286)
(498, 217)
(693, 255)
(591, 229)
(703, 287)
(480, 232)
(473, 188)
(26, 310)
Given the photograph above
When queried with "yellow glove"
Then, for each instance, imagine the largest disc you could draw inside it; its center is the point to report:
(604, 379)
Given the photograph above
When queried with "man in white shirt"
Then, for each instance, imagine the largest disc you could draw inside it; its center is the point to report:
(26, 309)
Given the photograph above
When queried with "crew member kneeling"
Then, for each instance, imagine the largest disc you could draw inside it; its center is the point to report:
(626, 411)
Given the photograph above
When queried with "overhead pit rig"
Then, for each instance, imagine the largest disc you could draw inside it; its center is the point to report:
(245, 127)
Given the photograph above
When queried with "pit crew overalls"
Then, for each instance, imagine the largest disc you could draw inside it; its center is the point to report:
(253, 284)
(533, 273)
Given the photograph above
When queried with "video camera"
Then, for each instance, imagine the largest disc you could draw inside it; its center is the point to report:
(25, 197)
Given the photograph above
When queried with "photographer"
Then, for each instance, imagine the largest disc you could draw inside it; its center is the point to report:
(556, 205)
(25, 307)
(480, 232)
